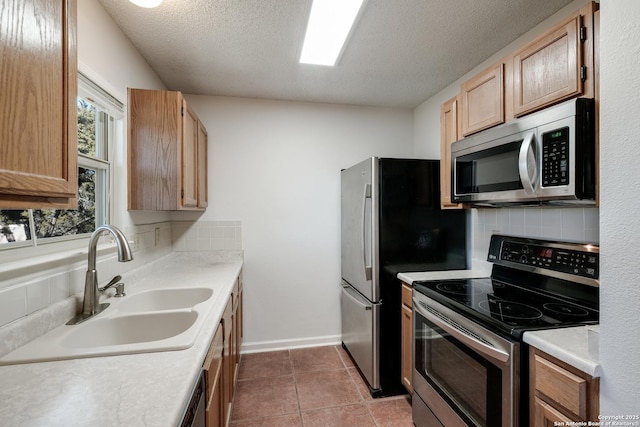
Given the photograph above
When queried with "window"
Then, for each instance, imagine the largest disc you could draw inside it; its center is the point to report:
(98, 113)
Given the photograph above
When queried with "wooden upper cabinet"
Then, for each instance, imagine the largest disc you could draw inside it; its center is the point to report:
(448, 134)
(38, 115)
(165, 162)
(482, 100)
(203, 171)
(557, 66)
(189, 157)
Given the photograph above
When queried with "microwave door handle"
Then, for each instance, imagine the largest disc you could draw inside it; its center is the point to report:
(527, 164)
(451, 329)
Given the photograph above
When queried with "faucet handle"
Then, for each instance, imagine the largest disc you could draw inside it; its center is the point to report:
(120, 290)
(112, 282)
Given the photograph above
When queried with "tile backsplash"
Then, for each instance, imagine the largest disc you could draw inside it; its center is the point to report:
(574, 224)
(206, 236)
(60, 277)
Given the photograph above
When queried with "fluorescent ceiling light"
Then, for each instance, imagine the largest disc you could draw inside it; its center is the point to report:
(146, 3)
(330, 23)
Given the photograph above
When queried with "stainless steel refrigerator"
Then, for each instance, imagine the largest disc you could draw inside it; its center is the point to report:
(391, 222)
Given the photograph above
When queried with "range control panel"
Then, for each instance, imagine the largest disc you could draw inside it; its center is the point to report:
(575, 259)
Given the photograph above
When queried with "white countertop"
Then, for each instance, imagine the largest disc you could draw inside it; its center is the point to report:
(147, 389)
(479, 268)
(571, 345)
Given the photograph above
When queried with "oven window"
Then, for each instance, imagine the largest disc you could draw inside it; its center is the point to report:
(494, 169)
(467, 381)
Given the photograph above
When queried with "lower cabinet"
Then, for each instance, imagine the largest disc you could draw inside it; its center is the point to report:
(560, 392)
(221, 365)
(213, 377)
(407, 357)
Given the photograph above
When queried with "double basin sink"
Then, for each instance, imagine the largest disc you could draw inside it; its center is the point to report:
(152, 320)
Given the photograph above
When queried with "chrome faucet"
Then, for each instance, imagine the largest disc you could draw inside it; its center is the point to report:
(91, 304)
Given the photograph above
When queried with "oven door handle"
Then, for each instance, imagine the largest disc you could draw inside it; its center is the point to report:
(453, 330)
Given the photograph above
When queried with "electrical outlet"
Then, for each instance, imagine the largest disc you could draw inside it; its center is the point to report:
(157, 237)
(135, 244)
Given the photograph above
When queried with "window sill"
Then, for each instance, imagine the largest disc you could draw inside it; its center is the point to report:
(29, 262)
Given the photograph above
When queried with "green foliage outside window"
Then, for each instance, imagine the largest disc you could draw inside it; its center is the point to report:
(15, 225)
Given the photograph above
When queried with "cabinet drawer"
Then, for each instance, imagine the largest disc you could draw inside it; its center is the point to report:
(561, 386)
(406, 295)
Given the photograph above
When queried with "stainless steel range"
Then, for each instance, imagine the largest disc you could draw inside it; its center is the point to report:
(470, 363)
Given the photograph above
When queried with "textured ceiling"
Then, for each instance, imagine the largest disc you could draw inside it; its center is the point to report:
(400, 53)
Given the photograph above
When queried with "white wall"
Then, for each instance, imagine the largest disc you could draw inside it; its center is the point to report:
(275, 166)
(108, 57)
(619, 219)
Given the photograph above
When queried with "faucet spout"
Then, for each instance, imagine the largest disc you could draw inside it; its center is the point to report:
(91, 303)
(124, 250)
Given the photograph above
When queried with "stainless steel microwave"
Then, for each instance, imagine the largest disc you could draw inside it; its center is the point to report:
(547, 157)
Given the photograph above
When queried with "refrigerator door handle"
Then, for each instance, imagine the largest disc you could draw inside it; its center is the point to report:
(366, 231)
(357, 298)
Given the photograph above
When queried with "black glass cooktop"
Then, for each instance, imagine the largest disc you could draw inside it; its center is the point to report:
(508, 308)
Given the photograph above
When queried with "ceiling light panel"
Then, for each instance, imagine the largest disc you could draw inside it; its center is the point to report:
(329, 25)
(146, 3)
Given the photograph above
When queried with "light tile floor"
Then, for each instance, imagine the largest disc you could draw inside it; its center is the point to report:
(310, 388)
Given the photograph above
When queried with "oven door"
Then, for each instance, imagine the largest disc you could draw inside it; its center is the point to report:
(466, 375)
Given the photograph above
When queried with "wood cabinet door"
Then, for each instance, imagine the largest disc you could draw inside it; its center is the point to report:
(38, 87)
(545, 415)
(560, 392)
(213, 376)
(203, 172)
(548, 70)
(448, 134)
(407, 357)
(238, 323)
(482, 100)
(190, 131)
(154, 126)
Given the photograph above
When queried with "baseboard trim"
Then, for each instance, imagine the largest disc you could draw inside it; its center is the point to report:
(262, 346)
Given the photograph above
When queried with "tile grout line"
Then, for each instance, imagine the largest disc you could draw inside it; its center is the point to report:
(295, 385)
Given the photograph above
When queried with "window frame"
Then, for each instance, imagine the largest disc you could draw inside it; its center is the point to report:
(111, 112)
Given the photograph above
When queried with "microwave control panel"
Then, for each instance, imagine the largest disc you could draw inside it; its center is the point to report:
(555, 158)
(580, 263)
